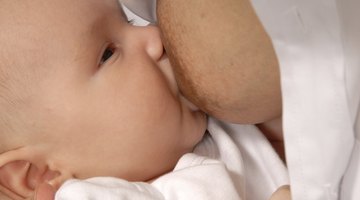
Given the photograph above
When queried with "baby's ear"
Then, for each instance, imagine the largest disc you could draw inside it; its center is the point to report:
(13, 179)
(21, 173)
(45, 192)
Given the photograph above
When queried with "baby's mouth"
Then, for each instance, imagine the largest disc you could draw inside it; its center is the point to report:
(188, 103)
(168, 71)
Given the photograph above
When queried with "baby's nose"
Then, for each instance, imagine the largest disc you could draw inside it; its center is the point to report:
(149, 38)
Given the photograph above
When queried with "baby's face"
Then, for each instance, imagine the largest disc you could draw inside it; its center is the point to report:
(103, 99)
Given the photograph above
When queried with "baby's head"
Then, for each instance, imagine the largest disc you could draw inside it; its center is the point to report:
(83, 93)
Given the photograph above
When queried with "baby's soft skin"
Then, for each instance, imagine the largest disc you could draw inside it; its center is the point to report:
(84, 93)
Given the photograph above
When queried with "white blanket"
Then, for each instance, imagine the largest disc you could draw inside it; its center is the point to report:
(238, 163)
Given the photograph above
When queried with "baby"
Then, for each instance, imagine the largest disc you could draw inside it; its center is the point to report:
(84, 93)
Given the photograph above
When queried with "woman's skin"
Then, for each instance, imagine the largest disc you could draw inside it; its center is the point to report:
(283, 193)
(224, 60)
(225, 63)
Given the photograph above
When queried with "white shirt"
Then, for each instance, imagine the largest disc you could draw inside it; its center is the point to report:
(319, 106)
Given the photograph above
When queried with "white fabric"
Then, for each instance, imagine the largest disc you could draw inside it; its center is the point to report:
(135, 19)
(233, 162)
(332, 59)
(348, 10)
(146, 9)
(308, 37)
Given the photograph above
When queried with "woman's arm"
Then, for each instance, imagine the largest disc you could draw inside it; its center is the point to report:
(283, 193)
(223, 58)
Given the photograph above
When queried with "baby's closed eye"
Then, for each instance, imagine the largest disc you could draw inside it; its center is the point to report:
(108, 52)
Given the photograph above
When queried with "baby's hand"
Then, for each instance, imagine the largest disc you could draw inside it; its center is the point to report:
(44, 192)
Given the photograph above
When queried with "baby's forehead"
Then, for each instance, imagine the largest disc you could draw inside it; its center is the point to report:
(33, 31)
(39, 19)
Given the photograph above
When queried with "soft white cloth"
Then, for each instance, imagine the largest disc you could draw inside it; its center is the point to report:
(320, 84)
(232, 162)
(348, 10)
(145, 9)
